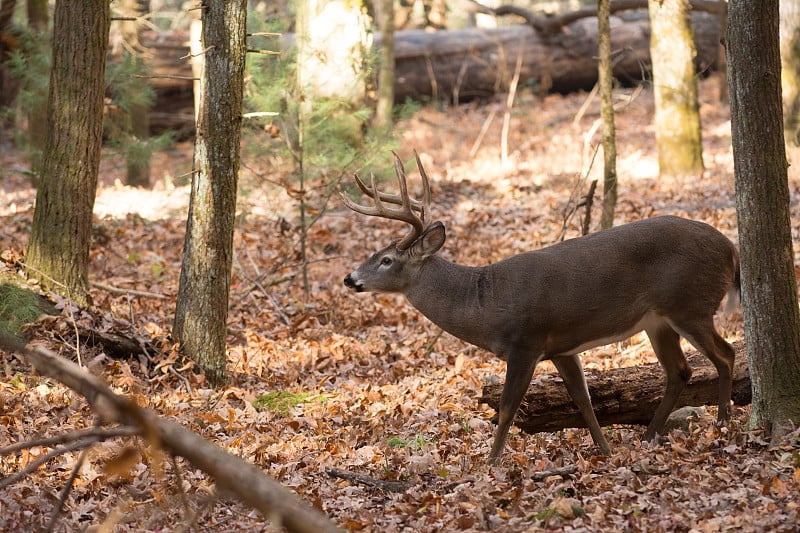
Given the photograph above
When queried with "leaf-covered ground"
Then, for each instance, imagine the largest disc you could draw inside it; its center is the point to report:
(376, 389)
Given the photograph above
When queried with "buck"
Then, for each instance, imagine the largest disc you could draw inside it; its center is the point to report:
(665, 275)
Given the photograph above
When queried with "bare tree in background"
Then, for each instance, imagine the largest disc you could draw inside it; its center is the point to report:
(672, 52)
(790, 73)
(605, 81)
(384, 18)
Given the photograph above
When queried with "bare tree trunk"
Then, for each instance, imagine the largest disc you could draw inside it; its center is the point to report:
(769, 288)
(138, 154)
(672, 52)
(606, 82)
(384, 16)
(38, 14)
(58, 252)
(201, 312)
(37, 114)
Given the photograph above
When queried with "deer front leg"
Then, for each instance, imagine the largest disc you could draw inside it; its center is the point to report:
(571, 371)
(519, 371)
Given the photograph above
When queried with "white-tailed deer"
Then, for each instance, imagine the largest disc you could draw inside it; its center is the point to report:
(665, 275)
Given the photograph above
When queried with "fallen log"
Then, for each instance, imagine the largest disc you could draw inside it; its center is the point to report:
(465, 64)
(620, 396)
(460, 65)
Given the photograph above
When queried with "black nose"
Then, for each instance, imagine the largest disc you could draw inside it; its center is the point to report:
(350, 283)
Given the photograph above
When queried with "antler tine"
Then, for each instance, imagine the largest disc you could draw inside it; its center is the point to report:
(417, 222)
(425, 210)
(407, 205)
(387, 197)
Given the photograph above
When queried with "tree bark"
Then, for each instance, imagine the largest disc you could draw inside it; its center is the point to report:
(137, 153)
(58, 252)
(606, 84)
(769, 288)
(38, 17)
(202, 304)
(384, 17)
(677, 117)
(620, 396)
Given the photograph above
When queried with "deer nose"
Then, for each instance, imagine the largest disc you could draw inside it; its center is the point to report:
(351, 283)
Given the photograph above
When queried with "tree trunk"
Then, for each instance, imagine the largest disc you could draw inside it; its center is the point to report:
(58, 252)
(672, 52)
(202, 305)
(620, 396)
(6, 13)
(769, 288)
(331, 57)
(37, 113)
(384, 17)
(137, 153)
(606, 83)
(790, 74)
(38, 14)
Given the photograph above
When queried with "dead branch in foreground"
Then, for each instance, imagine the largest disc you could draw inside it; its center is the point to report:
(233, 475)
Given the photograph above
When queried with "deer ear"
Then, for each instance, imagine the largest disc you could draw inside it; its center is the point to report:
(430, 241)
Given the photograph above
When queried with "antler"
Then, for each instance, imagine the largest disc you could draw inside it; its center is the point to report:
(408, 206)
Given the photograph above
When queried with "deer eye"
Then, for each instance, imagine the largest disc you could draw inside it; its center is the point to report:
(386, 261)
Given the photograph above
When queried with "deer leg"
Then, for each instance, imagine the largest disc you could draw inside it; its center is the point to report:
(723, 361)
(571, 370)
(519, 371)
(667, 346)
(705, 338)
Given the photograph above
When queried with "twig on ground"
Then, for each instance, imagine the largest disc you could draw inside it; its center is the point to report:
(361, 479)
(96, 434)
(562, 471)
(133, 292)
(62, 498)
(13, 478)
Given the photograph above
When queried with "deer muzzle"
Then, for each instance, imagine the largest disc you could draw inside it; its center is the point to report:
(351, 283)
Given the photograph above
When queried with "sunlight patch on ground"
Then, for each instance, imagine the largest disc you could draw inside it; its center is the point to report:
(120, 200)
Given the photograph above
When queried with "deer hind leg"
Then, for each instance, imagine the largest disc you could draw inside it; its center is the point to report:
(571, 371)
(519, 371)
(707, 341)
(667, 346)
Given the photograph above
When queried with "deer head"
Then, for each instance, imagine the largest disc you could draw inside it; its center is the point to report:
(384, 271)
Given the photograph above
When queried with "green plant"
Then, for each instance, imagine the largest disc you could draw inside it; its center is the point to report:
(18, 307)
(130, 94)
(544, 515)
(415, 444)
(324, 139)
(282, 402)
(31, 64)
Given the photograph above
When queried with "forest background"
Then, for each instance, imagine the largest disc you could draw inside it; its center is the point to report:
(322, 382)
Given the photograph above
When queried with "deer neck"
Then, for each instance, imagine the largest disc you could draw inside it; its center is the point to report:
(456, 298)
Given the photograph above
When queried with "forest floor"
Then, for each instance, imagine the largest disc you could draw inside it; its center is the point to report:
(377, 389)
